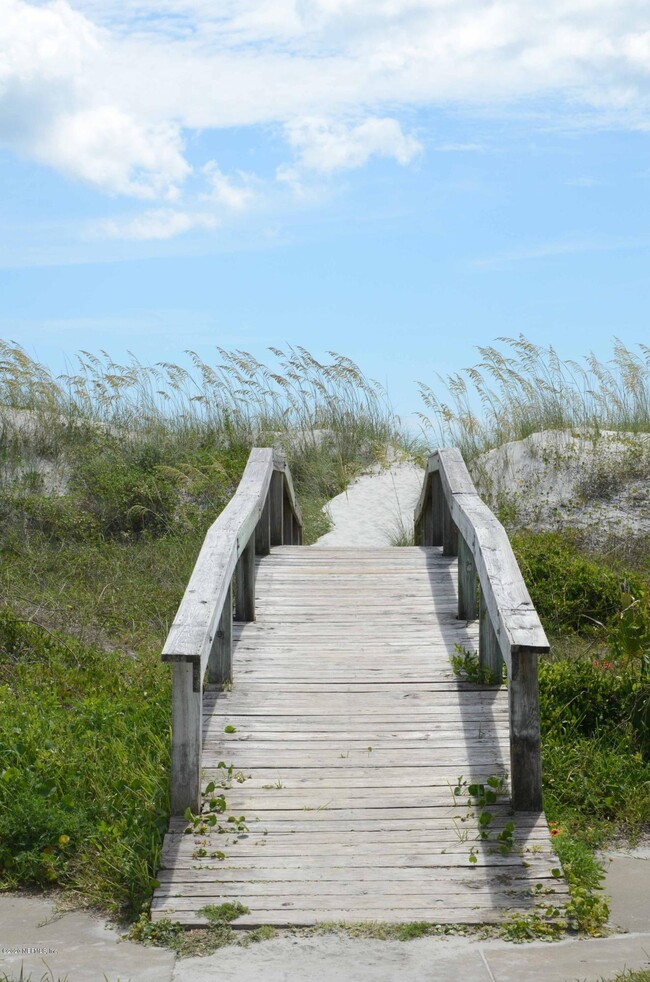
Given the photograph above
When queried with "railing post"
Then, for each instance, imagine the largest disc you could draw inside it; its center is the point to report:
(449, 533)
(525, 740)
(263, 530)
(437, 505)
(490, 659)
(245, 583)
(220, 658)
(426, 521)
(467, 592)
(287, 521)
(276, 499)
(186, 737)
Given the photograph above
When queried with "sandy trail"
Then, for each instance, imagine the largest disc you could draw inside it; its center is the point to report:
(375, 508)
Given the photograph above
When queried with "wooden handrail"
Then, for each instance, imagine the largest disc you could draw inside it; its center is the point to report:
(263, 512)
(451, 514)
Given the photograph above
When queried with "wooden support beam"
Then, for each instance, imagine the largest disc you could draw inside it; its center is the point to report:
(525, 740)
(220, 659)
(186, 737)
(287, 520)
(437, 503)
(276, 499)
(426, 523)
(490, 659)
(263, 530)
(467, 583)
(449, 533)
(245, 584)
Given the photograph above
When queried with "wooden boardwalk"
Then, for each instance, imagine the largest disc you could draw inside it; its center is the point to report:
(351, 732)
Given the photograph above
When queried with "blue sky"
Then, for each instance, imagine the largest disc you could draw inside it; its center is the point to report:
(397, 180)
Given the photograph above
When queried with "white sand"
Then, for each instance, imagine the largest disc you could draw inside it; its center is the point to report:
(556, 479)
(375, 508)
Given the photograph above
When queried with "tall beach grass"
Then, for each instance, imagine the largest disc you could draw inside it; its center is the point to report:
(522, 388)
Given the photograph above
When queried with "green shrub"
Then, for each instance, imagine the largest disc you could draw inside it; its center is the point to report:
(125, 492)
(84, 756)
(595, 743)
(571, 592)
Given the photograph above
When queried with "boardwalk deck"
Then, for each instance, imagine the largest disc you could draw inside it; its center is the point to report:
(351, 731)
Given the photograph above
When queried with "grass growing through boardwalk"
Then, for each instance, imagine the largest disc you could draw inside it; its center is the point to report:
(110, 479)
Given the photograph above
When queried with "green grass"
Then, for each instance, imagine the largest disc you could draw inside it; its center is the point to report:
(641, 975)
(595, 706)
(84, 757)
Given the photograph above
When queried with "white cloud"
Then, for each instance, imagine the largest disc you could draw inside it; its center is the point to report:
(104, 89)
(224, 191)
(325, 145)
(156, 224)
(109, 149)
(51, 108)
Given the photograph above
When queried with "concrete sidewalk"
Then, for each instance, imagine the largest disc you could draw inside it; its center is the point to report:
(335, 958)
(81, 947)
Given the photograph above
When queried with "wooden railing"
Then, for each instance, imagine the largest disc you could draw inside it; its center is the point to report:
(451, 514)
(263, 513)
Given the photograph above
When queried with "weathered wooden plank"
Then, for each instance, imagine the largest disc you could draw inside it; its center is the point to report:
(245, 583)
(192, 631)
(525, 748)
(378, 826)
(276, 507)
(186, 738)
(334, 895)
(220, 657)
(490, 658)
(344, 656)
(263, 530)
(467, 583)
(309, 918)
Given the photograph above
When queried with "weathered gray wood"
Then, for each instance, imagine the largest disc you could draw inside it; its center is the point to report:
(263, 530)
(287, 520)
(220, 658)
(437, 504)
(200, 610)
(449, 533)
(490, 659)
(505, 593)
(525, 741)
(186, 738)
(276, 501)
(245, 584)
(426, 522)
(467, 583)
(351, 731)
